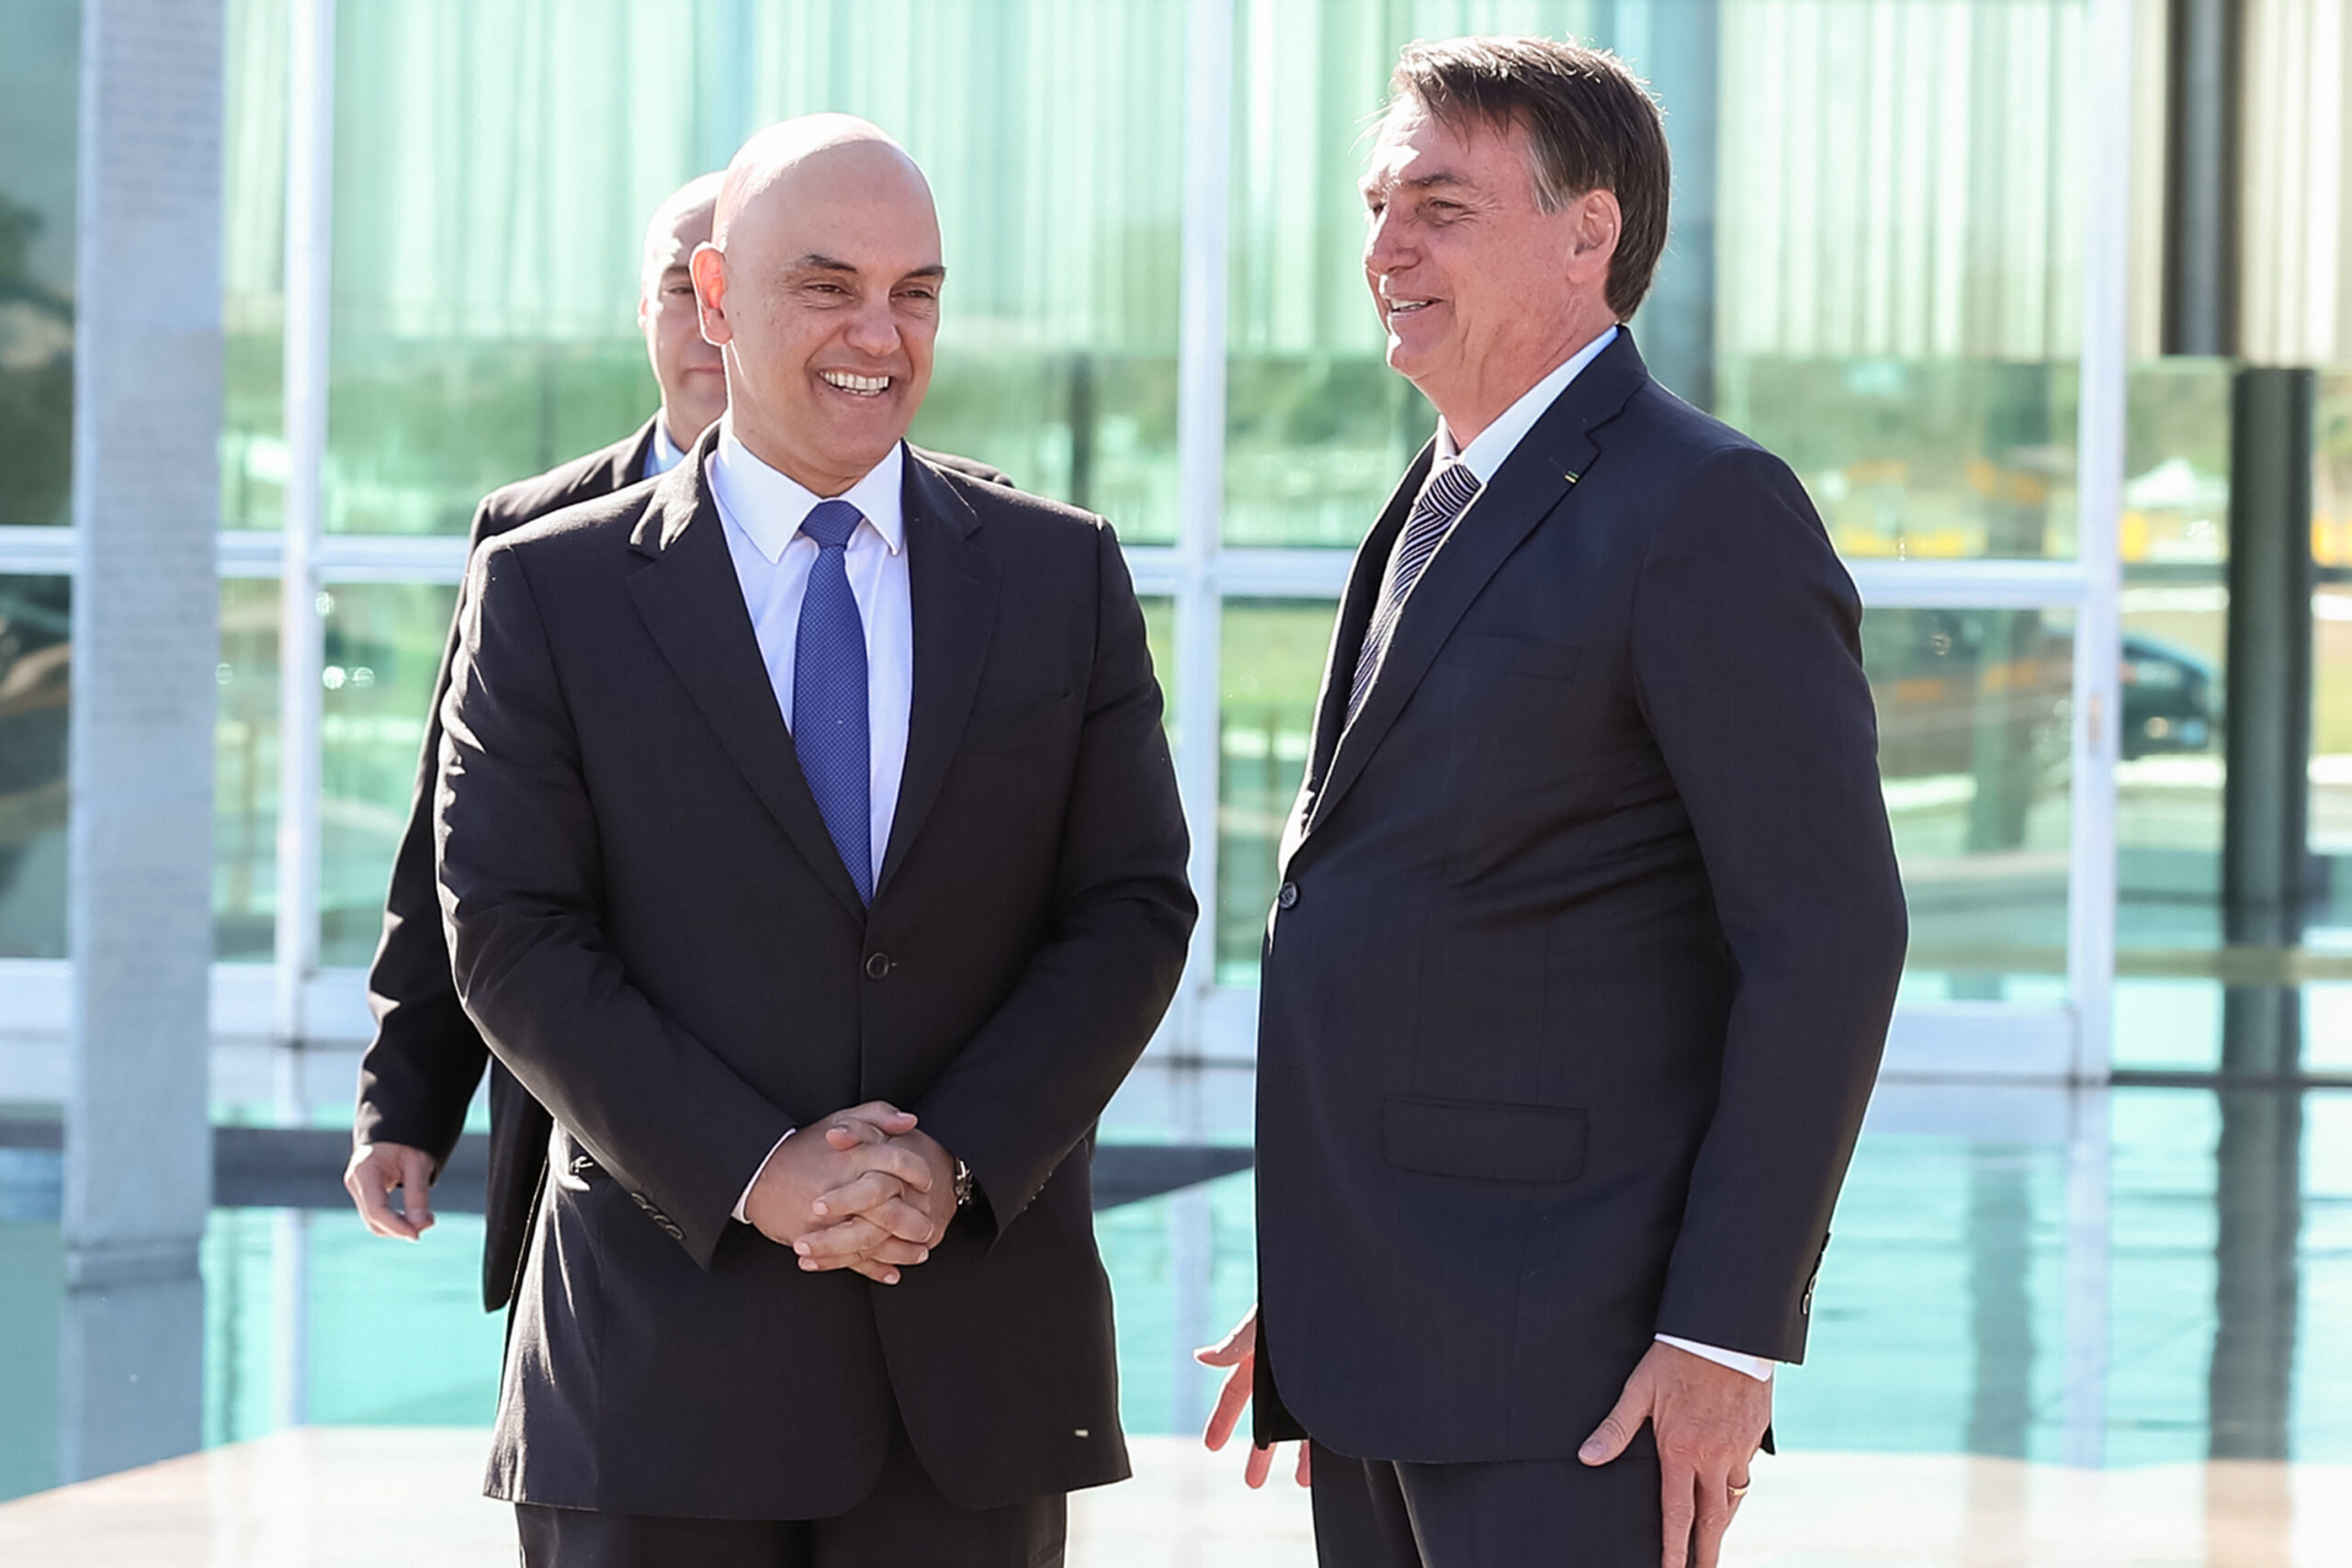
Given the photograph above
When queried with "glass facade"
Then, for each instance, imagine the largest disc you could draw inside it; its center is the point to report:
(1878, 270)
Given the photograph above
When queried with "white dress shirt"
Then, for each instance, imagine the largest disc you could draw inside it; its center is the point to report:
(1486, 454)
(665, 454)
(762, 510)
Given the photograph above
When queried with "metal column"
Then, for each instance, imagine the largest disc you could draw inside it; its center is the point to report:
(2266, 881)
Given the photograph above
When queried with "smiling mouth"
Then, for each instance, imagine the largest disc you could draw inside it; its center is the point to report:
(1407, 307)
(857, 385)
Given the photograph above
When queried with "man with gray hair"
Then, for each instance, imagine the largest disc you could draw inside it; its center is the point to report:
(1589, 925)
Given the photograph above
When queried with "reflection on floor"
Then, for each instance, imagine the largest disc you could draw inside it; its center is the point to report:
(317, 1498)
(2127, 1283)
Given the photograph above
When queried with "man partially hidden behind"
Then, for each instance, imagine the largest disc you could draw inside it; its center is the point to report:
(420, 1073)
(1589, 925)
(810, 848)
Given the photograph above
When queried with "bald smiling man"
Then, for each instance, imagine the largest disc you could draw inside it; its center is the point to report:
(419, 1075)
(809, 847)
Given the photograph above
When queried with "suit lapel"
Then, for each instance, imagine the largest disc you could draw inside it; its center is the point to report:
(951, 587)
(629, 457)
(1533, 482)
(692, 606)
(1356, 607)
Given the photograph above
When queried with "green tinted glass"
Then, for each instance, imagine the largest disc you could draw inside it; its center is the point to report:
(487, 240)
(1272, 657)
(384, 642)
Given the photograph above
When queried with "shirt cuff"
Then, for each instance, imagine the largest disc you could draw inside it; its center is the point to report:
(745, 1202)
(1757, 1367)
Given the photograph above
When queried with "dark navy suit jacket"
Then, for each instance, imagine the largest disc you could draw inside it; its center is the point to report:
(655, 933)
(1587, 941)
(419, 1074)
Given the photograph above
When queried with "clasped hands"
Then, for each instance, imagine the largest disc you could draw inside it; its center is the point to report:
(862, 1189)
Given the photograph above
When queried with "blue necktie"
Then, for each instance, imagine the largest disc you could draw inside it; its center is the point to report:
(829, 695)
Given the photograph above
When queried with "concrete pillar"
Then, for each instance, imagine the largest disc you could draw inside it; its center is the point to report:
(146, 503)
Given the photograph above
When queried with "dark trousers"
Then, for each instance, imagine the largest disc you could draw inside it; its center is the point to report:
(904, 1522)
(1536, 1514)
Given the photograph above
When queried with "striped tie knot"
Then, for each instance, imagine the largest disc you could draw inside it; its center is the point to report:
(1445, 495)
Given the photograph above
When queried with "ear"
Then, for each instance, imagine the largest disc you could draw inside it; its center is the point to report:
(644, 308)
(1597, 224)
(708, 266)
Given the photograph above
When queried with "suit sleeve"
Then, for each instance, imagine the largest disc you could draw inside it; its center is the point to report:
(1030, 1084)
(418, 1076)
(1747, 658)
(520, 870)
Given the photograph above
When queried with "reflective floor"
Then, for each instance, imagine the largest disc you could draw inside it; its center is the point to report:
(2134, 1281)
(291, 1501)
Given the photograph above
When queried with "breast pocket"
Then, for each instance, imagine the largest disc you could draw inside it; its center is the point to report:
(1536, 660)
(1017, 726)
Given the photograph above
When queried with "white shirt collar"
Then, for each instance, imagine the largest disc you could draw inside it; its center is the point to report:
(665, 454)
(767, 505)
(1495, 444)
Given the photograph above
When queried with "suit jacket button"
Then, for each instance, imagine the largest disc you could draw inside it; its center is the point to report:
(1288, 896)
(876, 966)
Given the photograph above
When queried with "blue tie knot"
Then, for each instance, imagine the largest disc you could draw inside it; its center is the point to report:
(830, 523)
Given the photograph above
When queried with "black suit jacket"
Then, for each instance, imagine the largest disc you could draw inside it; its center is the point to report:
(419, 1074)
(1585, 945)
(656, 935)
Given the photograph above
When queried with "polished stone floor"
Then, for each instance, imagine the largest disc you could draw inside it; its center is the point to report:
(2079, 1326)
(392, 1497)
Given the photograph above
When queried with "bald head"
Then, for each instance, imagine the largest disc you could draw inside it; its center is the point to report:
(818, 146)
(693, 382)
(822, 283)
(682, 222)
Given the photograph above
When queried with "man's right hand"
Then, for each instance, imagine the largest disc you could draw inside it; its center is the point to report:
(375, 1169)
(853, 1155)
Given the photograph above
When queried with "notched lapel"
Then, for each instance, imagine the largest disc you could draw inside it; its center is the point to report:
(692, 606)
(1540, 474)
(1357, 602)
(952, 590)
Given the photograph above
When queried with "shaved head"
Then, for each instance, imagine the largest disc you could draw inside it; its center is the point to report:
(821, 284)
(772, 153)
(693, 381)
(678, 225)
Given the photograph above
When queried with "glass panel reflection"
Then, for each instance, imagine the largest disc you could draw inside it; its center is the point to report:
(1974, 752)
(244, 774)
(1272, 654)
(487, 244)
(384, 642)
(40, 78)
(1919, 459)
(253, 252)
(36, 691)
(2175, 543)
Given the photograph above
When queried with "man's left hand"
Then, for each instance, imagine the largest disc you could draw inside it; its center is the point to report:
(878, 1210)
(1710, 1421)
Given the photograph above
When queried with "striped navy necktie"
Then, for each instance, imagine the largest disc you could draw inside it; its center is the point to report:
(1445, 494)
